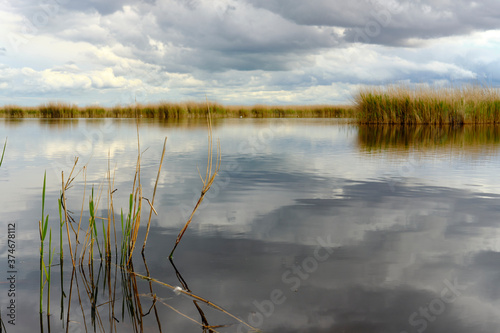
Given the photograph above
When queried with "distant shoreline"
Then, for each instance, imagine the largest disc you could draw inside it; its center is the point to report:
(166, 110)
(392, 104)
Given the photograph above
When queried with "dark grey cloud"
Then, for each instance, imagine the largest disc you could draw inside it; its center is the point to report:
(390, 22)
(55, 7)
(241, 37)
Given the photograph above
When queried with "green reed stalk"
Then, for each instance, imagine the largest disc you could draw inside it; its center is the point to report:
(126, 231)
(63, 295)
(42, 224)
(123, 237)
(93, 226)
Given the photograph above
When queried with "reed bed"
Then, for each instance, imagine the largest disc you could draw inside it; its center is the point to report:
(167, 110)
(421, 104)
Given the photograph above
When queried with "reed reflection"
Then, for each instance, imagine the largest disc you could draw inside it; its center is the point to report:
(467, 139)
(206, 327)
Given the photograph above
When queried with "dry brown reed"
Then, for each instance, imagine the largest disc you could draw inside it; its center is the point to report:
(65, 186)
(210, 174)
(195, 297)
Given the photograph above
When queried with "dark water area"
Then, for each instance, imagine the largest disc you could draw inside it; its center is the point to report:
(312, 225)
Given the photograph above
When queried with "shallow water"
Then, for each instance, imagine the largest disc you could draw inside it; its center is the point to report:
(313, 225)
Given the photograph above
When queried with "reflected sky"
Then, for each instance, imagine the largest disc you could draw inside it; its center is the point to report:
(342, 232)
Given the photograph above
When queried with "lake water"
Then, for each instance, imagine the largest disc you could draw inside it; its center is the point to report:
(313, 225)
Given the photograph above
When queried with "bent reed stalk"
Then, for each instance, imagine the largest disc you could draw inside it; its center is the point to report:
(422, 104)
(209, 179)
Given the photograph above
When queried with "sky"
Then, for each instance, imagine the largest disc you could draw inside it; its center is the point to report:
(241, 52)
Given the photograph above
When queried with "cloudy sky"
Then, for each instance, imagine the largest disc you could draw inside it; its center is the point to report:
(239, 51)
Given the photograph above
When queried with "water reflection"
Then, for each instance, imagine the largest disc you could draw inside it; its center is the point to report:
(463, 139)
(308, 230)
(394, 253)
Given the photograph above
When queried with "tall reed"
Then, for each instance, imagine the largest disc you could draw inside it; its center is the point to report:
(421, 104)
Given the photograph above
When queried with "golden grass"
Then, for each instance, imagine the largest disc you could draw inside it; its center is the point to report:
(167, 110)
(421, 104)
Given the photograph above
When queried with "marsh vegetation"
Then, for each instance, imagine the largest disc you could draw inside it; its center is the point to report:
(167, 110)
(392, 104)
(403, 104)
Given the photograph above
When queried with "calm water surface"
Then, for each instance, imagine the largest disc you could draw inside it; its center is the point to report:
(312, 225)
